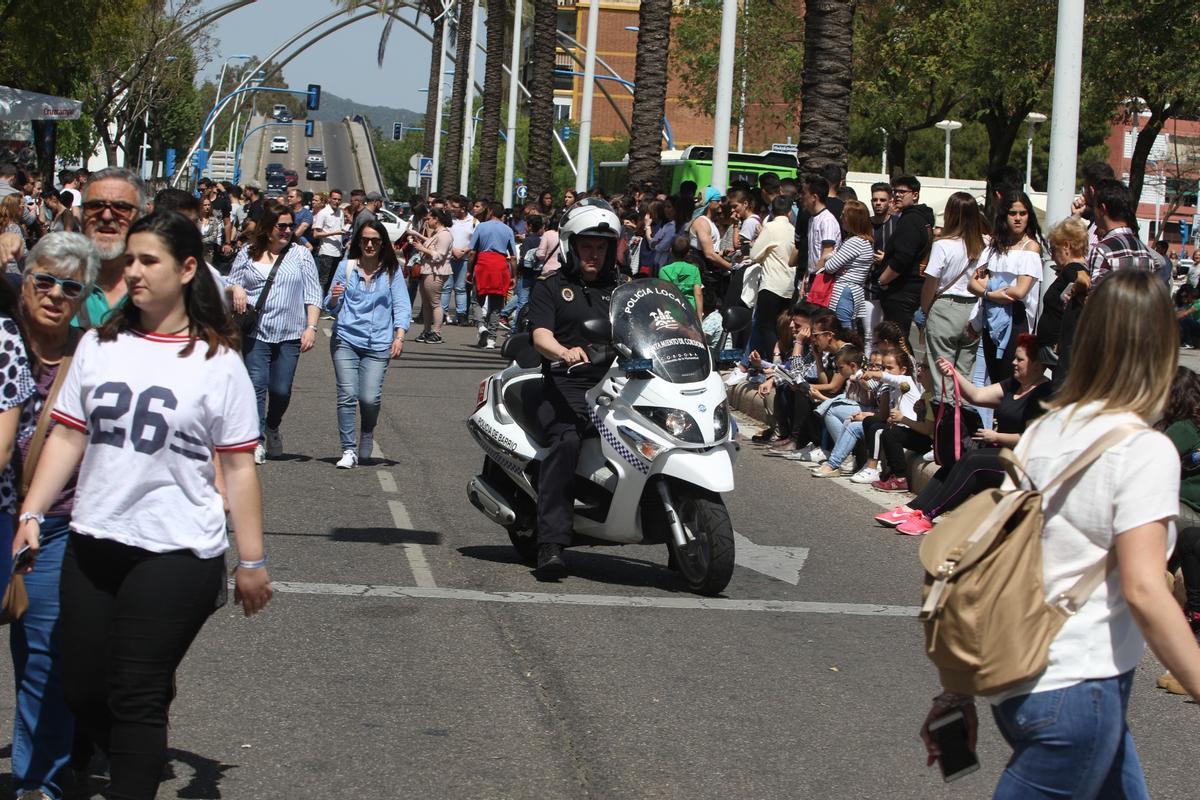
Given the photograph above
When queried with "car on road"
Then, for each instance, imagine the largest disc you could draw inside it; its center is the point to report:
(291, 177)
(278, 110)
(279, 144)
(286, 117)
(315, 151)
(274, 168)
(315, 170)
(276, 186)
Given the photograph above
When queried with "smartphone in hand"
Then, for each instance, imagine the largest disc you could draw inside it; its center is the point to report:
(950, 734)
(23, 560)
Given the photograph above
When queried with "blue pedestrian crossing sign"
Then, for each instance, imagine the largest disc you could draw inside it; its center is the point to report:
(425, 167)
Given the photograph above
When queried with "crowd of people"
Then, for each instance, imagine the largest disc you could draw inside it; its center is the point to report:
(884, 339)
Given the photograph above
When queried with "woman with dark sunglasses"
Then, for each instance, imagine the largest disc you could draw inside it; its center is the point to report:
(370, 298)
(57, 269)
(287, 319)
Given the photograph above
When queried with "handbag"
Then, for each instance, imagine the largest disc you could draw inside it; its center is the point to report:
(247, 320)
(16, 599)
(959, 439)
(821, 291)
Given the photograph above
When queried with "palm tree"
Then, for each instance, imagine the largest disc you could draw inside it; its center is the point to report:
(825, 88)
(650, 96)
(431, 99)
(493, 95)
(451, 161)
(539, 151)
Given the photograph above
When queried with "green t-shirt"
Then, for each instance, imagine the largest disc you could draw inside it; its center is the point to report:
(96, 308)
(1186, 438)
(1195, 313)
(685, 275)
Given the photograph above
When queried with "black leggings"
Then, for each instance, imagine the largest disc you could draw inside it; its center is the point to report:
(796, 417)
(975, 471)
(1187, 558)
(128, 618)
(891, 441)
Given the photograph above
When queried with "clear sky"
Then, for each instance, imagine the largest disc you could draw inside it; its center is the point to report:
(344, 63)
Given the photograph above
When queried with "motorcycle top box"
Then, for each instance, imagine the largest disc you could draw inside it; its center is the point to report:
(663, 447)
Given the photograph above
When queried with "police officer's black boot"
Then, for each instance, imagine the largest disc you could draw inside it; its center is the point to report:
(550, 564)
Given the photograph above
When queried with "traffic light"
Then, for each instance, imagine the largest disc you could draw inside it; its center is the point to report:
(309, 125)
(397, 131)
(314, 97)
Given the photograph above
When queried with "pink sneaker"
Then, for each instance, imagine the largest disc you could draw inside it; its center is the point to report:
(916, 525)
(895, 517)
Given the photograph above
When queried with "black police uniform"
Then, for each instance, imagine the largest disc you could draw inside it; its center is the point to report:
(561, 304)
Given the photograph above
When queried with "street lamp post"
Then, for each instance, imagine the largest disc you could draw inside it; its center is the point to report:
(585, 106)
(724, 105)
(464, 169)
(949, 126)
(510, 138)
(221, 85)
(1031, 119)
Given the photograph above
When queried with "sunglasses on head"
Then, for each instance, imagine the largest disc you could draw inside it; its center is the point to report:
(44, 282)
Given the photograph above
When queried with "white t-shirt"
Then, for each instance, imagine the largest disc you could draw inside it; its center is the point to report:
(1012, 265)
(1132, 484)
(750, 227)
(461, 230)
(326, 221)
(903, 393)
(948, 258)
(823, 231)
(153, 420)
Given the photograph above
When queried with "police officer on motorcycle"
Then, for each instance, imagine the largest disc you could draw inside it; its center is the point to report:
(559, 305)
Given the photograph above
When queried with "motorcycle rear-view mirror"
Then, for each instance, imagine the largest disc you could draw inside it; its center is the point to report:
(735, 318)
(597, 330)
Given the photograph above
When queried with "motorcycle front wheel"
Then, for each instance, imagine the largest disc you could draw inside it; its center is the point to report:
(706, 563)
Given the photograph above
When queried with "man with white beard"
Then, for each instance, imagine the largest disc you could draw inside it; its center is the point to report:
(112, 200)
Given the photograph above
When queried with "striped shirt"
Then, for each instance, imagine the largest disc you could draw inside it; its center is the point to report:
(284, 317)
(1120, 248)
(851, 263)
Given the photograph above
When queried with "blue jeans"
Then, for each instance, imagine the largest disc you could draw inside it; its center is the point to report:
(359, 375)
(845, 444)
(456, 284)
(272, 368)
(43, 726)
(1071, 743)
(837, 414)
(844, 308)
(519, 299)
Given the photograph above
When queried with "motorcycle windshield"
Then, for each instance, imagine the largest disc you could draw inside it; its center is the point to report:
(656, 323)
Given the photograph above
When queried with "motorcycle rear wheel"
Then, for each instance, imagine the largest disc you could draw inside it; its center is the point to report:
(706, 564)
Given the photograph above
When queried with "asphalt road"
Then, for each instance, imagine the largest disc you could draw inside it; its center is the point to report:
(331, 137)
(408, 654)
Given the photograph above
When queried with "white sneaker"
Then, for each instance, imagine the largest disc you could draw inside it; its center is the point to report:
(491, 344)
(850, 465)
(274, 443)
(867, 475)
(814, 454)
(349, 460)
(260, 454)
(366, 446)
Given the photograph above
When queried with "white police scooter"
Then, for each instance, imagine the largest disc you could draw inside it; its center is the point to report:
(665, 447)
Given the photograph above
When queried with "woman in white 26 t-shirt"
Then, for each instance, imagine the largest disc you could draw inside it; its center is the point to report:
(1067, 726)
(148, 399)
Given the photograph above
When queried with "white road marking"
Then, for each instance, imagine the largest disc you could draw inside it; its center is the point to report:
(611, 601)
(416, 556)
(781, 563)
(387, 481)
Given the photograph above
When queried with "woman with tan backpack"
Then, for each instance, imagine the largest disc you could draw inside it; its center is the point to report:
(1105, 533)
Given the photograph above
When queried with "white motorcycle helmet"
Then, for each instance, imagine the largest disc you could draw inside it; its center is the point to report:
(591, 216)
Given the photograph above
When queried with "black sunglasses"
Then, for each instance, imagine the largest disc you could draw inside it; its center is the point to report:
(44, 282)
(119, 208)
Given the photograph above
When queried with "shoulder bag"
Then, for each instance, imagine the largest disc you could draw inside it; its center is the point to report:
(247, 320)
(16, 600)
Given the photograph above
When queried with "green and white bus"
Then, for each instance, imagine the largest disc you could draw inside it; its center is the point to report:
(695, 164)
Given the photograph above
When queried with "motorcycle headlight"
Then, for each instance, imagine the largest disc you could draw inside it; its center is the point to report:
(648, 448)
(674, 421)
(721, 421)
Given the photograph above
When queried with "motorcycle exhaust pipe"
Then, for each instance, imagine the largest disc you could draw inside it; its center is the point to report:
(493, 504)
(677, 532)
